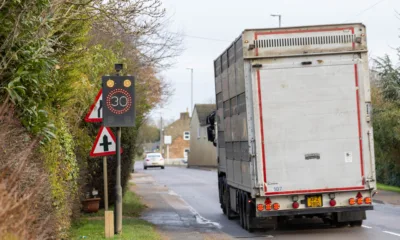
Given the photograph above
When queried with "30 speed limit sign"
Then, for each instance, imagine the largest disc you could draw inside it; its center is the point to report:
(118, 101)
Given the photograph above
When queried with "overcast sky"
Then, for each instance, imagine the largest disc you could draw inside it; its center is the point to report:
(219, 22)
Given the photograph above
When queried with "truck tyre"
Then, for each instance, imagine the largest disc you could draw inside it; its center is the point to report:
(248, 210)
(227, 203)
(240, 209)
(145, 168)
(221, 193)
(356, 223)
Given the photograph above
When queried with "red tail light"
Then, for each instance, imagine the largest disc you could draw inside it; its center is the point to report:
(359, 201)
(267, 201)
(295, 205)
(161, 159)
(147, 159)
(352, 201)
(332, 202)
(367, 200)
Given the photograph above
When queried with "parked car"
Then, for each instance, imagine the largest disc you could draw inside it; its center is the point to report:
(153, 160)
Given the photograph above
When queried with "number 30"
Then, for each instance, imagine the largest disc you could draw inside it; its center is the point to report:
(121, 101)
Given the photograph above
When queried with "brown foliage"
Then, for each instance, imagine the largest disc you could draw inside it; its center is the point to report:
(26, 211)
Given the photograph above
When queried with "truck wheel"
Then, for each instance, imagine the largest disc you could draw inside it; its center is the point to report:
(145, 168)
(248, 210)
(227, 203)
(356, 223)
(240, 209)
(221, 193)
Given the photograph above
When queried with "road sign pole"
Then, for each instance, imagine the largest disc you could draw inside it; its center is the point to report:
(168, 153)
(118, 200)
(105, 183)
(118, 203)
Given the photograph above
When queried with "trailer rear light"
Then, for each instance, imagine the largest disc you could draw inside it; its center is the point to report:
(295, 205)
(268, 207)
(260, 207)
(267, 201)
(332, 202)
(276, 206)
(352, 201)
(367, 200)
(359, 201)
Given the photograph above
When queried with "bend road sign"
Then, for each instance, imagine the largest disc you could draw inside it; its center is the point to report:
(105, 143)
(95, 113)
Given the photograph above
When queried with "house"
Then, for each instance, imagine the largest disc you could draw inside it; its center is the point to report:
(202, 152)
(180, 134)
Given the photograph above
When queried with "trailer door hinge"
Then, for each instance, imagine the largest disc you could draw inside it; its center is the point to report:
(257, 65)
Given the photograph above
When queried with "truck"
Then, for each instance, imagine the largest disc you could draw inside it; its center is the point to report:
(292, 126)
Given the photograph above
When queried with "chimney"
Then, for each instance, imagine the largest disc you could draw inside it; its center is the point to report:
(184, 116)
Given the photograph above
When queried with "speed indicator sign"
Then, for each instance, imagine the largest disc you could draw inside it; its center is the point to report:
(118, 101)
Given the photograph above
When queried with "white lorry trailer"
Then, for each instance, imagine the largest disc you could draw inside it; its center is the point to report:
(293, 126)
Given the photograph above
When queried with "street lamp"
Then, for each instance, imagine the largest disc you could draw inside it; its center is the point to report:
(279, 16)
(191, 80)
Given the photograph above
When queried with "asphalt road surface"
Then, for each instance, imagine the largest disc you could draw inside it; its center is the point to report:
(199, 189)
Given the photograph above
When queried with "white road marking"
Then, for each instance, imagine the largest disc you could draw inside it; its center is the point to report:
(365, 226)
(396, 234)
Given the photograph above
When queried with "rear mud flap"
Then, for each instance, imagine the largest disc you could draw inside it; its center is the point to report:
(351, 216)
(264, 223)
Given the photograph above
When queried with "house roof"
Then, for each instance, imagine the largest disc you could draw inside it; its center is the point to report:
(203, 110)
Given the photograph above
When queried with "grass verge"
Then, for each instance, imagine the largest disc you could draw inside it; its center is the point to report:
(132, 228)
(388, 188)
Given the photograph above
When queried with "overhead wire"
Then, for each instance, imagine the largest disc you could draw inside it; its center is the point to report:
(366, 9)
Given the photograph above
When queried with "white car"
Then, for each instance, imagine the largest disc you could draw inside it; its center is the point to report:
(153, 160)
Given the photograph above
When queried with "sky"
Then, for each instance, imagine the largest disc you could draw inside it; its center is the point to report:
(209, 26)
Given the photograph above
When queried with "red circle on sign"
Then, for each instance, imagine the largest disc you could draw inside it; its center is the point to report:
(128, 99)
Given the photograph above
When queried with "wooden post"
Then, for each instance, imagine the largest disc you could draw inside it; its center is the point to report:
(105, 183)
(109, 224)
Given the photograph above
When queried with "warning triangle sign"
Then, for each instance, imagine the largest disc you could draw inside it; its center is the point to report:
(105, 143)
(96, 110)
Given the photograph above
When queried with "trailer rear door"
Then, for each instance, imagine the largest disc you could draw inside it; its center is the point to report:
(309, 120)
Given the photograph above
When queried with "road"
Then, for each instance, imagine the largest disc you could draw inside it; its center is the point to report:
(198, 188)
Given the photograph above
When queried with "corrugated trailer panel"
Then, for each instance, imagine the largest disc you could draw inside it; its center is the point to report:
(225, 80)
(242, 118)
(231, 72)
(240, 88)
(220, 112)
(227, 122)
(234, 119)
(218, 77)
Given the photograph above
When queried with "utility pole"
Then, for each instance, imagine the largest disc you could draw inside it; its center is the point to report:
(191, 84)
(280, 18)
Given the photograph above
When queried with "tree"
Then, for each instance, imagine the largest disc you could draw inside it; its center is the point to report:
(52, 55)
(386, 121)
(148, 133)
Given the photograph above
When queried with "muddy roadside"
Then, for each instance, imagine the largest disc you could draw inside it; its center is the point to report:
(172, 216)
